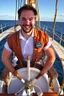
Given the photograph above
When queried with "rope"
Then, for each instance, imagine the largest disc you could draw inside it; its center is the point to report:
(61, 89)
(39, 89)
(18, 5)
(15, 12)
(19, 90)
(29, 86)
(38, 14)
(59, 37)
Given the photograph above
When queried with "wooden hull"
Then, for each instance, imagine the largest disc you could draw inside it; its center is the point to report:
(44, 94)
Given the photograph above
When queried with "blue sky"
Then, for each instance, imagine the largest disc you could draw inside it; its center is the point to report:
(46, 8)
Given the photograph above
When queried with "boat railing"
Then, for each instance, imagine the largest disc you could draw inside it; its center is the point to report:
(2, 27)
(58, 35)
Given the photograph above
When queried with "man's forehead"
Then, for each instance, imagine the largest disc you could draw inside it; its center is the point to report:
(27, 12)
(28, 16)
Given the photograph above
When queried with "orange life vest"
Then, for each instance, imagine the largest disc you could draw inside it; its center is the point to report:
(40, 41)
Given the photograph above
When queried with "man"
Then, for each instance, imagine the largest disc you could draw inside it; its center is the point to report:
(28, 41)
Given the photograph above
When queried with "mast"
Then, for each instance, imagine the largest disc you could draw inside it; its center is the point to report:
(53, 27)
(34, 3)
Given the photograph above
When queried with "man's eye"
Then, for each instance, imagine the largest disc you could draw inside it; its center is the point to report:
(24, 19)
(31, 18)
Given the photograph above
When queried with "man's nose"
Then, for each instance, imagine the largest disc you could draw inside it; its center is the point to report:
(27, 21)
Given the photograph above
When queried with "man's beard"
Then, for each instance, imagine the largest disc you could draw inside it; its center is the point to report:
(31, 27)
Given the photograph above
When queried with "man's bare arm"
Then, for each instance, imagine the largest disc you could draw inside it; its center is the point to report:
(6, 60)
(49, 62)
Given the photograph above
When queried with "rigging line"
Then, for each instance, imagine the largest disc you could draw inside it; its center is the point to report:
(38, 14)
(15, 12)
(20, 3)
(59, 37)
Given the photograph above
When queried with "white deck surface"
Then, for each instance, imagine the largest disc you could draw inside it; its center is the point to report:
(59, 50)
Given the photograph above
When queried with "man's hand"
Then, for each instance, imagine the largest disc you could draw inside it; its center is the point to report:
(39, 75)
(35, 80)
(15, 73)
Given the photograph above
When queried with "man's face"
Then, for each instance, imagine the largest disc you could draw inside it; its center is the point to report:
(27, 20)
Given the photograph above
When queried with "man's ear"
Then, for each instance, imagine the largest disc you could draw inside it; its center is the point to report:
(36, 18)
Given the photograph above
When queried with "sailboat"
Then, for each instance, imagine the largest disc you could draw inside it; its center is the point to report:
(48, 84)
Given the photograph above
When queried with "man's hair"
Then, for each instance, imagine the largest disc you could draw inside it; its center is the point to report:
(27, 7)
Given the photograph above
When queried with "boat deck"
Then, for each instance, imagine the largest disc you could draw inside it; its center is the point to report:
(7, 32)
(59, 50)
(57, 47)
